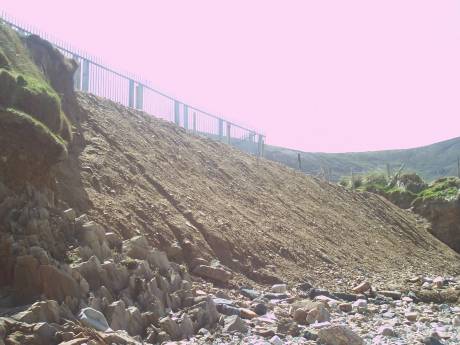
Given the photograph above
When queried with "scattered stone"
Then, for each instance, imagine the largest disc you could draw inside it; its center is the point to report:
(391, 294)
(247, 313)
(279, 288)
(386, 330)
(235, 324)
(215, 273)
(318, 314)
(259, 308)
(251, 294)
(275, 340)
(94, 319)
(339, 335)
(346, 307)
(438, 282)
(362, 288)
(411, 316)
(288, 327)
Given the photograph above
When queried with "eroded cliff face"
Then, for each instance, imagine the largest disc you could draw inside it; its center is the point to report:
(129, 221)
(444, 216)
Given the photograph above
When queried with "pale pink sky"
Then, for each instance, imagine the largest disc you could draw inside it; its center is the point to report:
(322, 75)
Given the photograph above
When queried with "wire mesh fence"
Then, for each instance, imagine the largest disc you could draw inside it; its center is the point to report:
(94, 77)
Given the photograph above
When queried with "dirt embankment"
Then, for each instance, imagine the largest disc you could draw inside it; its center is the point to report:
(140, 175)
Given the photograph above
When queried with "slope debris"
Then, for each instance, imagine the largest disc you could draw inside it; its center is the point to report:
(143, 233)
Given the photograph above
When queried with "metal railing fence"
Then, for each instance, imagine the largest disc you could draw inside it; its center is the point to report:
(93, 77)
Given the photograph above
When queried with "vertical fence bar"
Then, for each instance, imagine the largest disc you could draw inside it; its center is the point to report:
(85, 76)
(194, 122)
(128, 90)
(229, 131)
(131, 94)
(77, 74)
(221, 128)
(176, 112)
(140, 97)
(185, 116)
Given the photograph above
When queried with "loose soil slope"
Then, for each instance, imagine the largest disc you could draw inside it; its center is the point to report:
(137, 174)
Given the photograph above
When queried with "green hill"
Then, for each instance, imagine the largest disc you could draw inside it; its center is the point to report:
(430, 162)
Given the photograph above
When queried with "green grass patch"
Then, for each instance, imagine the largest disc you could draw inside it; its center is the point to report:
(14, 118)
(24, 87)
(446, 188)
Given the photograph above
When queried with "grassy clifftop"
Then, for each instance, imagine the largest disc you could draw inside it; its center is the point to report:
(24, 88)
(34, 131)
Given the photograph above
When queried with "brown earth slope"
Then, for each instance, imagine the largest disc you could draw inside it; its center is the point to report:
(137, 174)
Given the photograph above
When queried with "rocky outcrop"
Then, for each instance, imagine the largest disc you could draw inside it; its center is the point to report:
(444, 215)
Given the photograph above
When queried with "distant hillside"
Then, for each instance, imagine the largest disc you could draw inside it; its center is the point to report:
(431, 162)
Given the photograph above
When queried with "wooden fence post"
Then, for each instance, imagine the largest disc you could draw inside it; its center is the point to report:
(300, 161)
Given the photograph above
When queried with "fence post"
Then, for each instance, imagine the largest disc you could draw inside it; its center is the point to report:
(388, 171)
(221, 128)
(139, 97)
(176, 112)
(194, 122)
(229, 136)
(300, 161)
(77, 74)
(131, 94)
(185, 116)
(85, 76)
(261, 145)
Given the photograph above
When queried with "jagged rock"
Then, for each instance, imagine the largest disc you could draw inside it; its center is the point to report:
(339, 335)
(215, 273)
(94, 319)
(44, 332)
(159, 259)
(136, 247)
(70, 214)
(40, 254)
(116, 276)
(19, 338)
(186, 327)
(171, 328)
(235, 324)
(93, 235)
(117, 315)
(27, 282)
(43, 311)
(57, 284)
(114, 240)
(174, 251)
(92, 271)
(135, 321)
